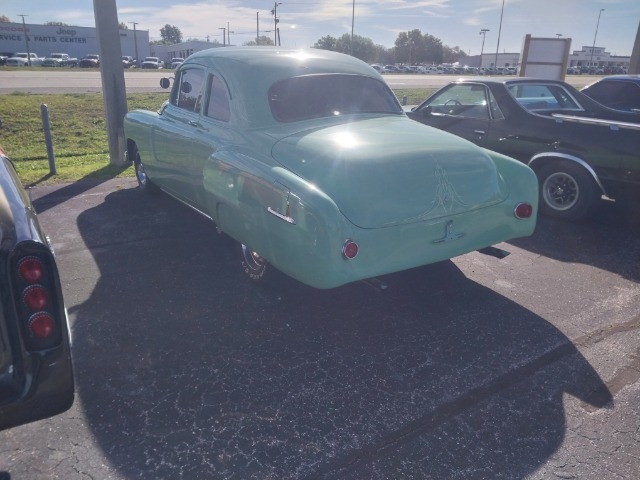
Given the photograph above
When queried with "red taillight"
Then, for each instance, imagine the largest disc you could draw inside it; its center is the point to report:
(523, 210)
(31, 269)
(42, 325)
(35, 297)
(350, 249)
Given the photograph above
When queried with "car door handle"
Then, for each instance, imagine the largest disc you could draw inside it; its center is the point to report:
(193, 123)
(479, 132)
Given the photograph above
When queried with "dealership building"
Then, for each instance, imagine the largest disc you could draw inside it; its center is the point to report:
(76, 41)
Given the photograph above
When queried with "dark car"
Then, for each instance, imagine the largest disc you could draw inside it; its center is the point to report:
(90, 61)
(36, 373)
(621, 92)
(579, 149)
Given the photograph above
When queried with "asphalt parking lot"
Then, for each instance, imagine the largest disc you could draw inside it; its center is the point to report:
(475, 368)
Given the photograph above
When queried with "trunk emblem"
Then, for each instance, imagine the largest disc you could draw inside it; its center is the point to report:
(449, 234)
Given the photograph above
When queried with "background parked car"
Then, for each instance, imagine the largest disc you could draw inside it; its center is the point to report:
(23, 59)
(36, 372)
(128, 62)
(176, 62)
(59, 60)
(579, 149)
(152, 63)
(621, 92)
(90, 61)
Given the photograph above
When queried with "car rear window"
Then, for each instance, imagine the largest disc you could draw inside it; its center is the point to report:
(317, 96)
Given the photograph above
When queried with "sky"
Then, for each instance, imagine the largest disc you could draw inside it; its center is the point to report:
(457, 23)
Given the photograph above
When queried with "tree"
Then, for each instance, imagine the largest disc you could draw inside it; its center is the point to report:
(413, 47)
(453, 55)
(170, 34)
(57, 24)
(123, 26)
(261, 40)
(4, 19)
(326, 43)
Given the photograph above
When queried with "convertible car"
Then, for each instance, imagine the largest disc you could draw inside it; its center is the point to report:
(36, 374)
(307, 160)
(579, 149)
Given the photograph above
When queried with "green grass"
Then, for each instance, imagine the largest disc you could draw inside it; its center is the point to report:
(78, 132)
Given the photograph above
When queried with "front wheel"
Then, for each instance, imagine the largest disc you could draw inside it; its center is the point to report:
(567, 191)
(141, 174)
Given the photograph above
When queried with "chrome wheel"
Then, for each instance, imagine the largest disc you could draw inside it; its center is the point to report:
(253, 265)
(567, 191)
(560, 191)
(141, 174)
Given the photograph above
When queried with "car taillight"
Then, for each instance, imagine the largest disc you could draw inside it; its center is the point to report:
(31, 269)
(350, 249)
(523, 210)
(36, 293)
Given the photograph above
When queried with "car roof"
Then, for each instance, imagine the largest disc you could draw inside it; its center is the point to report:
(622, 78)
(277, 62)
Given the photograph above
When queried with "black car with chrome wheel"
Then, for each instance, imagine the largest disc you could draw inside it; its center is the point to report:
(579, 149)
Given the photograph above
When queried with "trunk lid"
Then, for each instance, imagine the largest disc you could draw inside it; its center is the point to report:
(390, 170)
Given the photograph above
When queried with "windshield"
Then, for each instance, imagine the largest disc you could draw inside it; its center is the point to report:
(326, 95)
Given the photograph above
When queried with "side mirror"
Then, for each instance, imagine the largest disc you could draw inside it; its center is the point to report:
(165, 82)
(426, 111)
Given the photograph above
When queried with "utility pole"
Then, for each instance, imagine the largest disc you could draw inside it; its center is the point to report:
(483, 32)
(135, 41)
(634, 62)
(257, 28)
(224, 42)
(112, 74)
(26, 38)
(353, 19)
(594, 40)
(274, 12)
(495, 66)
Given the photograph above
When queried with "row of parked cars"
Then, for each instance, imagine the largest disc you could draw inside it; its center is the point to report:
(23, 59)
(444, 69)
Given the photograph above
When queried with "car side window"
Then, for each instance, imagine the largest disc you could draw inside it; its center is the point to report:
(188, 91)
(541, 97)
(218, 103)
(470, 101)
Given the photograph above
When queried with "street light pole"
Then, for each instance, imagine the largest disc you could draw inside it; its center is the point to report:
(495, 65)
(135, 41)
(594, 39)
(483, 32)
(26, 38)
(353, 18)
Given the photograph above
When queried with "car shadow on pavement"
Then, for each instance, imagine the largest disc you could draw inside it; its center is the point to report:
(186, 370)
(608, 240)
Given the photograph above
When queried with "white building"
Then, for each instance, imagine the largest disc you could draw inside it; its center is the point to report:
(597, 57)
(76, 41)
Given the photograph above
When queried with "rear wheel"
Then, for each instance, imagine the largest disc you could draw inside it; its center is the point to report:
(254, 266)
(567, 191)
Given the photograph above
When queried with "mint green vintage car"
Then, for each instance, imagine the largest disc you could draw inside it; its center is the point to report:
(306, 159)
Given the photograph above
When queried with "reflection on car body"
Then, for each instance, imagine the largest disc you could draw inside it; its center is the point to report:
(579, 149)
(307, 160)
(36, 377)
